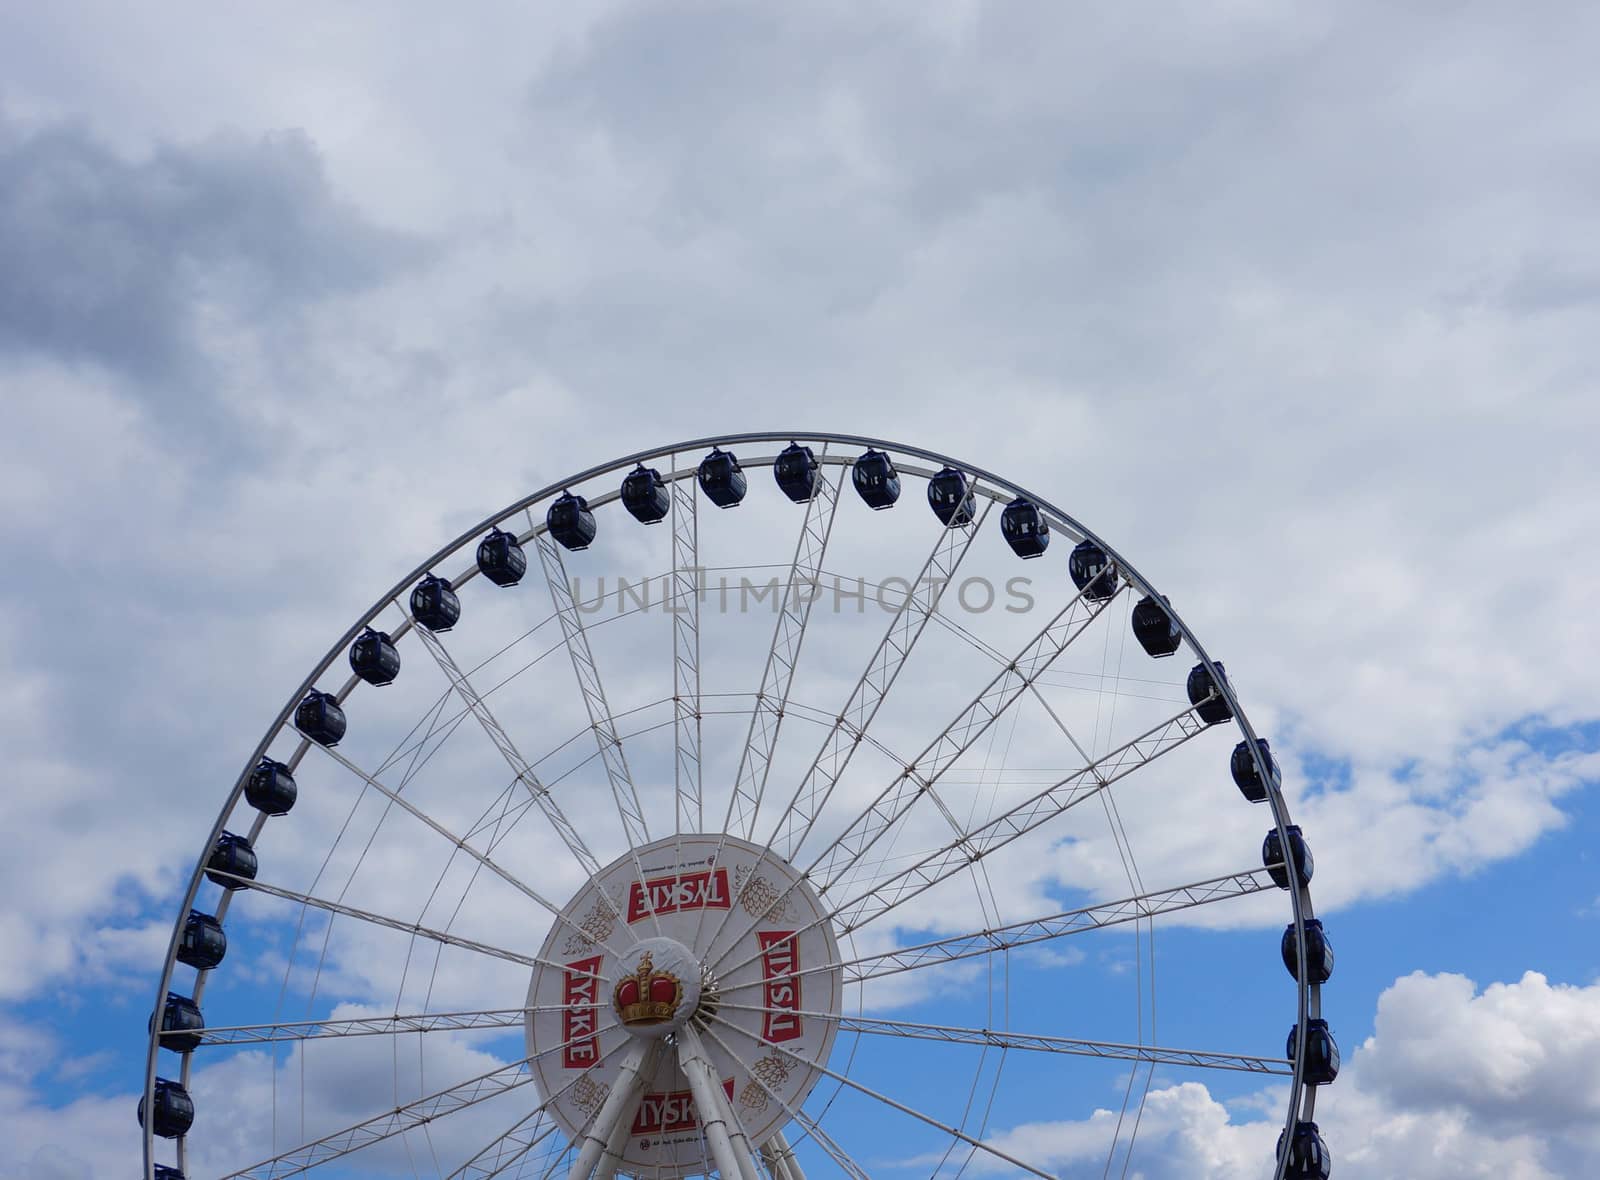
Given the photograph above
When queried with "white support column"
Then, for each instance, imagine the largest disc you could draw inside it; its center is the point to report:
(730, 1148)
(611, 1158)
(780, 1160)
(619, 1104)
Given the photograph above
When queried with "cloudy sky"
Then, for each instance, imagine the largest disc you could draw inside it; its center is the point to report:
(1296, 305)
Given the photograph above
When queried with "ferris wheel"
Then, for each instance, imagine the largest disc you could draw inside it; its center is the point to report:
(842, 834)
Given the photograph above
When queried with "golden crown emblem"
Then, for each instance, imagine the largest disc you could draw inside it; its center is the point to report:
(647, 996)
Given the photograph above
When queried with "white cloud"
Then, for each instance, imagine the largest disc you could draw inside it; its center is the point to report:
(1454, 1082)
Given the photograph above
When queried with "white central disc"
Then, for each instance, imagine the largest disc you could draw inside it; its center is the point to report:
(703, 928)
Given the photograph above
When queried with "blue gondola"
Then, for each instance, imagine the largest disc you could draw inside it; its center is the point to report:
(181, 1024)
(1319, 952)
(795, 469)
(1092, 572)
(644, 495)
(434, 604)
(174, 1110)
(1212, 707)
(320, 718)
(1154, 628)
(1300, 853)
(162, 1173)
(374, 657)
(875, 479)
(232, 857)
(1245, 775)
(950, 497)
(203, 944)
(1025, 528)
(1322, 1054)
(1309, 1158)
(501, 559)
(570, 522)
(271, 788)
(722, 479)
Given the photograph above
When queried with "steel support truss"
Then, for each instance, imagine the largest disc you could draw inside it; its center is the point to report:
(594, 694)
(799, 593)
(918, 779)
(1039, 1042)
(923, 874)
(508, 750)
(683, 607)
(905, 628)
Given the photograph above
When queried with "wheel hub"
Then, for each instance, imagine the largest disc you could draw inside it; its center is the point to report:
(696, 928)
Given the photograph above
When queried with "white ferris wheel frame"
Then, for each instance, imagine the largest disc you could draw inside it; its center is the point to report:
(598, 1151)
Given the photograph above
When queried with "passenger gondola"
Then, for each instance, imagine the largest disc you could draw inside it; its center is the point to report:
(1319, 952)
(271, 788)
(1322, 1055)
(1272, 857)
(1092, 572)
(722, 479)
(162, 1173)
(232, 863)
(374, 658)
(795, 470)
(1025, 528)
(1309, 1158)
(644, 495)
(174, 1110)
(181, 1024)
(320, 718)
(570, 522)
(1209, 704)
(875, 479)
(1154, 627)
(434, 604)
(1245, 775)
(950, 497)
(501, 559)
(202, 944)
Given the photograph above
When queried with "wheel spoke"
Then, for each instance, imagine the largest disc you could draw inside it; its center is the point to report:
(508, 750)
(904, 1109)
(788, 633)
(684, 608)
(481, 857)
(895, 889)
(785, 1154)
(1045, 929)
(905, 628)
(404, 927)
(1040, 1042)
(423, 1111)
(904, 884)
(594, 694)
(917, 780)
(508, 1149)
(362, 1026)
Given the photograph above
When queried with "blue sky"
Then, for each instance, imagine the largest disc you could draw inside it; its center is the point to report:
(1293, 306)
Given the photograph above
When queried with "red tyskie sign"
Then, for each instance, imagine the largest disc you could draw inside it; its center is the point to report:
(580, 993)
(705, 890)
(780, 959)
(663, 1114)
